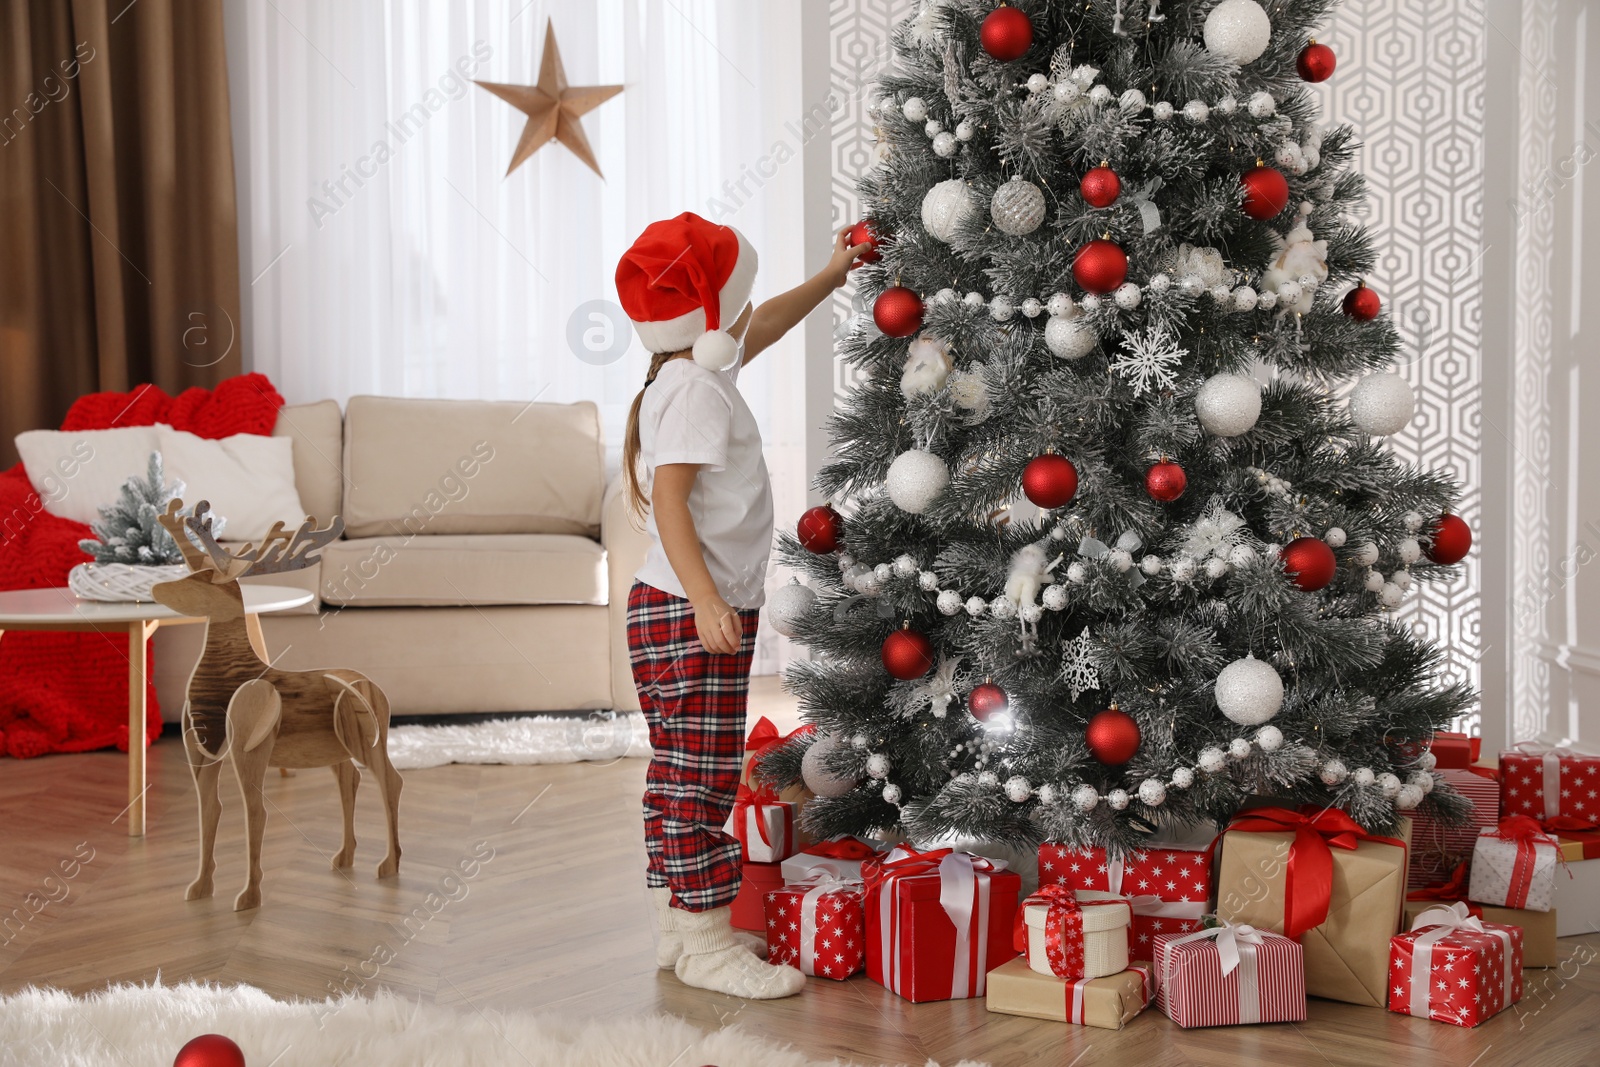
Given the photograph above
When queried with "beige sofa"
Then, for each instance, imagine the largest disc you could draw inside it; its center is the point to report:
(485, 565)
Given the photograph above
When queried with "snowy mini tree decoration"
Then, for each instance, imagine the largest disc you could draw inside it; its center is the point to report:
(1078, 668)
(130, 531)
(1148, 359)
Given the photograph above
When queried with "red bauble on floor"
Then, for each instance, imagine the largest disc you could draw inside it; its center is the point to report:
(1100, 187)
(898, 312)
(907, 655)
(209, 1050)
(1050, 481)
(866, 232)
(1309, 562)
(1007, 34)
(1165, 482)
(1100, 266)
(1362, 304)
(986, 701)
(1449, 541)
(1316, 62)
(1266, 193)
(1112, 736)
(819, 530)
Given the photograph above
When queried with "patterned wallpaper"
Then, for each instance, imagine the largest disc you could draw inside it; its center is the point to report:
(1410, 80)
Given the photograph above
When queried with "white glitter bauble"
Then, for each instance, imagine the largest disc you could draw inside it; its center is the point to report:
(905, 566)
(973, 300)
(1239, 748)
(1054, 597)
(1270, 738)
(1427, 762)
(1069, 339)
(949, 602)
(1249, 691)
(1001, 309)
(1182, 777)
(934, 128)
(1031, 308)
(1413, 521)
(1077, 572)
(1150, 565)
(1373, 582)
(1238, 30)
(976, 606)
(1132, 101)
(1365, 554)
(1409, 550)
(988, 779)
(1183, 568)
(1408, 797)
(858, 740)
(1335, 537)
(1227, 105)
(1085, 797)
(1391, 595)
(1160, 283)
(1001, 608)
(945, 145)
(945, 296)
(1289, 292)
(1245, 298)
(1421, 780)
(1388, 784)
(1018, 789)
(1060, 306)
(1018, 207)
(1117, 799)
(1212, 759)
(1196, 111)
(846, 561)
(1038, 83)
(1221, 294)
(878, 765)
(916, 479)
(1401, 578)
(1031, 612)
(1067, 90)
(818, 778)
(1267, 300)
(946, 207)
(1364, 777)
(1162, 110)
(965, 130)
(883, 572)
(789, 605)
(915, 109)
(1228, 404)
(1382, 404)
(1127, 296)
(891, 793)
(1333, 772)
(1216, 567)
(869, 585)
(1242, 556)
(1261, 105)
(1100, 94)
(1090, 302)
(1152, 793)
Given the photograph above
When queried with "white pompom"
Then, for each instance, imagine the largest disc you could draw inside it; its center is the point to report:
(1249, 691)
(949, 602)
(1152, 793)
(1150, 565)
(1018, 207)
(1238, 30)
(1117, 799)
(789, 605)
(1391, 595)
(1261, 105)
(1373, 582)
(1333, 772)
(976, 606)
(945, 145)
(1228, 404)
(1031, 308)
(716, 350)
(1212, 759)
(915, 109)
(916, 479)
(1060, 306)
(878, 765)
(1365, 554)
(1127, 296)
(946, 207)
(1335, 537)
(1196, 111)
(1054, 597)
(1038, 83)
(1085, 797)
(818, 778)
(1364, 777)
(1388, 784)
(1408, 798)
(1182, 777)
(1066, 338)
(1382, 404)
(1018, 789)
(1239, 748)
(891, 793)
(1270, 738)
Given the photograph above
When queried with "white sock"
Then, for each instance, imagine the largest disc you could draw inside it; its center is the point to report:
(713, 960)
(669, 945)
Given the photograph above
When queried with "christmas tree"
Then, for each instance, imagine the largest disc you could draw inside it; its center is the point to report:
(1116, 538)
(130, 531)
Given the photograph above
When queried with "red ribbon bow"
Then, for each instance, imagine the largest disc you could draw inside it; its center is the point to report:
(845, 848)
(875, 872)
(1063, 928)
(745, 798)
(1525, 832)
(1308, 874)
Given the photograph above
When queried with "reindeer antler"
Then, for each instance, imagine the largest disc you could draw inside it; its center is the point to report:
(279, 551)
(174, 525)
(298, 550)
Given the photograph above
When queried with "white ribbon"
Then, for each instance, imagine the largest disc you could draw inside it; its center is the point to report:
(1236, 949)
(1445, 920)
(963, 891)
(1149, 214)
(822, 882)
(1550, 760)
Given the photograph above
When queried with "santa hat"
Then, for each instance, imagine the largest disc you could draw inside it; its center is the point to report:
(683, 283)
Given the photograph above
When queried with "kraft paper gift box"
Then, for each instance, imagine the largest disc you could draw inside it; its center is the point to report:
(1348, 890)
(818, 927)
(1169, 885)
(1514, 866)
(764, 826)
(1577, 898)
(1452, 967)
(1437, 847)
(749, 907)
(1229, 976)
(1109, 1003)
(1539, 947)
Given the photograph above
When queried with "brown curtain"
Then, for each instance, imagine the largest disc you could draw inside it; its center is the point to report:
(118, 242)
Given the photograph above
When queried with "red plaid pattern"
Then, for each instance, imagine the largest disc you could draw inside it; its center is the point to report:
(695, 704)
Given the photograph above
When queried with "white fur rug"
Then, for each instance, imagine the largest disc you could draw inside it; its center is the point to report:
(145, 1026)
(603, 736)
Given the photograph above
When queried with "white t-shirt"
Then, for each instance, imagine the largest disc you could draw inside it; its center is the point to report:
(694, 415)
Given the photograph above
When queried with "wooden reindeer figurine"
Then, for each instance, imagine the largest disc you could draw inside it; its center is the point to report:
(243, 709)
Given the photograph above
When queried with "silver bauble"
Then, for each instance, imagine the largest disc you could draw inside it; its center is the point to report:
(1228, 404)
(818, 779)
(1238, 30)
(1249, 691)
(1018, 207)
(916, 479)
(789, 605)
(946, 207)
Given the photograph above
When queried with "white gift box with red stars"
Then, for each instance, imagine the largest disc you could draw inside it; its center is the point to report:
(1169, 885)
(821, 929)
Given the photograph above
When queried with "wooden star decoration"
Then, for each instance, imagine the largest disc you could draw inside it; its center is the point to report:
(553, 107)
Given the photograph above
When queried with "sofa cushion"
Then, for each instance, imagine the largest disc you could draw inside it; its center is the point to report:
(318, 434)
(461, 569)
(441, 467)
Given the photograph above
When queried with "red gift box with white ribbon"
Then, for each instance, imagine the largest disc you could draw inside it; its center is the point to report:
(1229, 975)
(1557, 786)
(1453, 967)
(938, 922)
(818, 926)
(1169, 886)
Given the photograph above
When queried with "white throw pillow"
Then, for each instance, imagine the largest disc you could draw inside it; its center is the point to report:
(76, 473)
(248, 478)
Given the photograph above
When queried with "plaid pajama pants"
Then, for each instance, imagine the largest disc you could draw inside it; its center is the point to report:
(695, 704)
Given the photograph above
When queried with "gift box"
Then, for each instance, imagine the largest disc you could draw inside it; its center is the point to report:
(1577, 898)
(1538, 927)
(749, 908)
(763, 737)
(1451, 751)
(818, 927)
(763, 825)
(1514, 866)
(938, 922)
(1438, 847)
(1169, 886)
(1455, 968)
(1111, 1002)
(1074, 933)
(1553, 786)
(1316, 876)
(1229, 976)
(841, 857)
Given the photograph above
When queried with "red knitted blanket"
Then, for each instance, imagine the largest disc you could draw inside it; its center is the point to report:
(69, 692)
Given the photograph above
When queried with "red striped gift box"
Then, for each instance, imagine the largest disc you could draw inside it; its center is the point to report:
(1438, 848)
(1228, 976)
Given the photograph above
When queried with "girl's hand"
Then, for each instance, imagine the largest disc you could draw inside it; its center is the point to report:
(720, 628)
(844, 258)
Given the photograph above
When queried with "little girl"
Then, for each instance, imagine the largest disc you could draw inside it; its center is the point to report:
(692, 613)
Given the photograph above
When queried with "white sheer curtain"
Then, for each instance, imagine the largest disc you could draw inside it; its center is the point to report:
(388, 251)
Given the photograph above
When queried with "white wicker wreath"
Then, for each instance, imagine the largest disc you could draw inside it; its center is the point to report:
(120, 582)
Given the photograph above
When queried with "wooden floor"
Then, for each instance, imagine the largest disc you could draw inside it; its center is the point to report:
(556, 919)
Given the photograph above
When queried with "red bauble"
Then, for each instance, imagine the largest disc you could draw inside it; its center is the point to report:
(986, 701)
(1362, 304)
(209, 1050)
(1050, 481)
(1449, 541)
(1310, 563)
(898, 312)
(1165, 482)
(907, 655)
(1112, 736)
(1101, 187)
(1266, 193)
(866, 232)
(1100, 266)
(1007, 34)
(1316, 62)
(820, 529)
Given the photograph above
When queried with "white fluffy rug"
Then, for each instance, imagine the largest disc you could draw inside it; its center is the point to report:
(145, 1026)
(533, 739)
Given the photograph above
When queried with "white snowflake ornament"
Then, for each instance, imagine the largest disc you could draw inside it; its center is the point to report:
(1148, 359)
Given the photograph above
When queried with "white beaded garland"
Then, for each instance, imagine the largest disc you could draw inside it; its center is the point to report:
(1333, 772)
(1090, 302)
(1152, 793)
(945, 208)
(965, 130)
(973, 300)
(1183, 568)
(1227, 105)
(1031, 308)
(1334, 538)
(1242, 556)
(1401, 578)
(1085, 797)
(1018, 789)
(1245, 298)
(1001, 309)
(1117, 799)
(1077, 572)
(1067, 90)
(1365, 554)
(1382, 404)
(1249, 691)
(915, 109)
(877, 765)
(1390, 595)
(1127, 296)
(904, 565)
(1212, 759)
(928, 580)
(1408, 797)
(1150, 565)
(1421, 780)
(883, 572)
(1216, 567)
(934, 128)
(1162, 110)
(1002, 608)
(945, 145)
(891, 793)
(1238, 30)
(1228, 404)
(1269, 738)
(1413, 521)
(1038, 83)
(789, 605)
(1160, 283)
(1101, 95)
(1388, 784)
(1261, 105)
(949, 602)
(1196, 111)
(1221, 294)
(988, 779)
(1132, 101)
(1018, 207)
(976, 606)
(1182, 777)
(1364, 777)
(1031, 612)
(1060, 306)
(1373, 582)
(1409, 550)
(1054, 597)
(1239, 748)
(1120, 560)
(1427, 762)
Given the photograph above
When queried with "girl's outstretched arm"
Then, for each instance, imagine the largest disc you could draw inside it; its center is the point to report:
(718, 624)
(783, 312)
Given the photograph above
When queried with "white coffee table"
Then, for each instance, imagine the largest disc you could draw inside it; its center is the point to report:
(58, 610)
